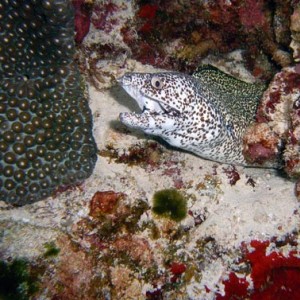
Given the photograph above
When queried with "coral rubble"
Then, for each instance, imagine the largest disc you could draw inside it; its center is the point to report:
(46, 126)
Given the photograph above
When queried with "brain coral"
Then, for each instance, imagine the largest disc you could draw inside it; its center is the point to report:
(45, 122)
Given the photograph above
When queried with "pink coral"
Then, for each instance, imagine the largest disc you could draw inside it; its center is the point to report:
(82, 19)
(103, 18)
(251, 14)
(232, 174)
(276, 135)
(147, 12)
(104, 202)
(259, 153)
(297, 189)
(261, 144)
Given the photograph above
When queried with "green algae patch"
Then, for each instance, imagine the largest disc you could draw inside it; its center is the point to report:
(170, 203)
(17, 280)
(51, 250)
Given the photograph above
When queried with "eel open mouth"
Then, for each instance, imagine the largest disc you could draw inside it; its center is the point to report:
(150, 107)
(154, 107)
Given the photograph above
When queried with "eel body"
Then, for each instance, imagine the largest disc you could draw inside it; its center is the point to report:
(206, 113)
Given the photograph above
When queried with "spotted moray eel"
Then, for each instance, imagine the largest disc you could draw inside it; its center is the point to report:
(205, 113)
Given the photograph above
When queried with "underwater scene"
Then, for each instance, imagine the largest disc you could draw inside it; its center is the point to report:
(149, 149)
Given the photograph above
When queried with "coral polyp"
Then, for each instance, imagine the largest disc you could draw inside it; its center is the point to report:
(45, 122)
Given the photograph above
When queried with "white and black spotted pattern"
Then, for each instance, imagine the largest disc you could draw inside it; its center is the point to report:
(206, 113)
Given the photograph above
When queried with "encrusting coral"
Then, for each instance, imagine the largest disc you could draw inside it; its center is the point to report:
(275, 135)
(45, 123)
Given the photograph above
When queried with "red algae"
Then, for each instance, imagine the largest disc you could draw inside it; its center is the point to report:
(228, 26)
(177, 269)
(232, 174)
(235, 288)
(103, 16)
(297, 189)
(273, 101)
(274, 275)
(104, 202)
(260, 153)
(252, 15)
(261, 144)
(83, 11)
(147, 12)
(162, 33)
(275, 135)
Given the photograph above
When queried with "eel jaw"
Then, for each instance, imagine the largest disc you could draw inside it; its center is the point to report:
(152, 110)
(155, 107)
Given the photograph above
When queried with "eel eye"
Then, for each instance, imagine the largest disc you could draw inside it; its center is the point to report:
(157, 82)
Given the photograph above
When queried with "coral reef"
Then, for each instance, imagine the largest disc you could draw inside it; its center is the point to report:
(111, 253)
(109, 243)
(239, 235)
(46, 126)
(206, 27)
(177, 35)
(275, 138)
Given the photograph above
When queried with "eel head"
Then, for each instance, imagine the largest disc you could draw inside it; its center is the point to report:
(164, 98)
